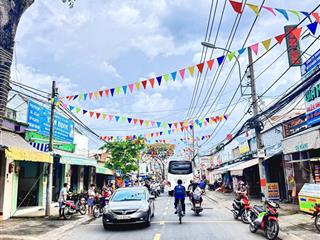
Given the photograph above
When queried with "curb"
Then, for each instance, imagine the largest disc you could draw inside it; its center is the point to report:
(282, 235)
(14, 237)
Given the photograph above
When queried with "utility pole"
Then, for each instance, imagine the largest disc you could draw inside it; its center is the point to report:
(50, 165)
(254, 99)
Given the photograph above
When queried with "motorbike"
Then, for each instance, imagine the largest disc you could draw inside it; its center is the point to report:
(195, 199)
(101, 202)
(266, 220)
(77, 204)
(241, 208)
(316, 215)
(154, 192)
(197, 207)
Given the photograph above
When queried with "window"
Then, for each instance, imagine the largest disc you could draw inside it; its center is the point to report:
(180, 167)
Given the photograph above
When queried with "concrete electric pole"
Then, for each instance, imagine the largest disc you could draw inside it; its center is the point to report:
(262, 173)
(51, 138)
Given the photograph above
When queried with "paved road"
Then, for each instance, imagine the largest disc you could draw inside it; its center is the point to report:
(216, 222)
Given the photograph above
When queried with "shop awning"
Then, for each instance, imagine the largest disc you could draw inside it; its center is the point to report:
(225, 168)
(103, 170)
(19, 150)
(238, 170)
(74, 159)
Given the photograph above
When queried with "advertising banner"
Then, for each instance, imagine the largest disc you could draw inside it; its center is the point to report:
(38, 119)
(273, 191)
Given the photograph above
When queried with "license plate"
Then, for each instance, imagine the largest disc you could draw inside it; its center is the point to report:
(197, 204)
(123, 217)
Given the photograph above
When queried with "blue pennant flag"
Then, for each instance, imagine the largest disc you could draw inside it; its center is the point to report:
(174, 75)
(71, 108)
(208, 120)
(129, 120)
(220, 60)
(169, 131)
(124, 89)
(85, 95)
(283, 12)
(306, 14)
(170, 125)
(313, 27)
(159, 124)
(160, 133)
(75, 97)
(200, 124)
(117, 118)
(112, 91)
(159, 80)
(190, 127)
(197, 121)
(84, 111)
(241, 51)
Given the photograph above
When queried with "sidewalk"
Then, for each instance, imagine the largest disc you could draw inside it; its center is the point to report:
(31, 226)
(293, 223)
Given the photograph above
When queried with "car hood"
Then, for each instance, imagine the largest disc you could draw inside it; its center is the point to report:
(128, 205)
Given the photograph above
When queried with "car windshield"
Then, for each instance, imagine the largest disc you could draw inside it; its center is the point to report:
(129, 195)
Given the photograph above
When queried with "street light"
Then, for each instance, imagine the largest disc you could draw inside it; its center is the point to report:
(210, 45)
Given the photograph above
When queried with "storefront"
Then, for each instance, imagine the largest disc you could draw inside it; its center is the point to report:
(302, 159)
(104, 176)
(23, 175)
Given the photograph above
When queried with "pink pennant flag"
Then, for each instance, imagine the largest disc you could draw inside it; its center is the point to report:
(255, 48)
(182, 71)
(90, 95)
(131, 87)
(110, 117)
(152, 123)
(270, 10)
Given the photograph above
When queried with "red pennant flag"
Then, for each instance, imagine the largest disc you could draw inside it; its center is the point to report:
(237, 6)
(182, 71)
(107, 92)
(135, 121)
(210, 64)
(200, 67)
(98, 115)
(151, 134)
(141, 122)
(181, 124)
(229, 136)
(280, 38)
(297, 32)
(144, 84)
(151, 81)
(316, 16)
(213, 119)
(131, 87)
(91, 114)
(100, 93)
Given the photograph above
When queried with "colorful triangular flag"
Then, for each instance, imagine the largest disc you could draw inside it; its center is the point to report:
(296, 13)
(266, 44)
(144, 84)
(280, 38)
(210, 63)
(174, 75)
(182, 71)
(237, 6)
(191, 70)
(130, 87)
(269, 9)
(124, 88)
(255, 48)
(112, 91)
(137, 85)
(151, 81)
(283, 12)
(200, 67)
(297, 32)
(159, 80)
(254, 8)
(313, 27)
(220, 60)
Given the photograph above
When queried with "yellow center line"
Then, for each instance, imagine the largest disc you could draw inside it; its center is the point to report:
(161, 222)
(157, 236)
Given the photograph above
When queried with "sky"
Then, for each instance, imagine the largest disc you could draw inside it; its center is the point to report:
(106, 44)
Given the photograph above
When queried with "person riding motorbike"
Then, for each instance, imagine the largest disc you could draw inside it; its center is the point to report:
(179, 195)
(196, 195)
(242, 190)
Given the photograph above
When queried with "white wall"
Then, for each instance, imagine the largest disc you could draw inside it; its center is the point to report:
(82, 144)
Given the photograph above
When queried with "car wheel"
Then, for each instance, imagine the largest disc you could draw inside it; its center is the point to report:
(106, 227)
(152, 211)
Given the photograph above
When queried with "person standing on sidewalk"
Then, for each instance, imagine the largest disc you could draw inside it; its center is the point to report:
(63, 197)
(91, 197)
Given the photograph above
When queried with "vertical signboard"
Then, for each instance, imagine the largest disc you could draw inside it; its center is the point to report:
(38, 119)
(293, 47)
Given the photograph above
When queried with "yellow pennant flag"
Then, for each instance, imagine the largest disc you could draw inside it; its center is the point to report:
(104, 116)
(147, 122)
(266, 44)
(254, 8)
(191, 70)
(138, 86)
(96, 94)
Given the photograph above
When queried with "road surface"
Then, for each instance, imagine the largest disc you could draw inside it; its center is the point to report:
(216, 222)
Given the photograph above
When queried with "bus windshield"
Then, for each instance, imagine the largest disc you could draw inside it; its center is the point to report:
(180, 167)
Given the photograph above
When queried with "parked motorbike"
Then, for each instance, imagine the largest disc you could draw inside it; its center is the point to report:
(101, 202)
(266, 220)
(241, 208)
(77, 204)
(316, 215)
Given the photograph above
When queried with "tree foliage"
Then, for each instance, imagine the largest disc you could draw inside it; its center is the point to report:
(124, 154)
(161, 150)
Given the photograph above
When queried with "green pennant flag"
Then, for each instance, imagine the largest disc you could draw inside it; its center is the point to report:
(80, 96)
(118, 90)
(123, 118)
(166, 77)
(296, 13)
(78, 110)
(231, 55)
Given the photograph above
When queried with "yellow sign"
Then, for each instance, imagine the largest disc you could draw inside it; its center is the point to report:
(273, 191)
(244, 148)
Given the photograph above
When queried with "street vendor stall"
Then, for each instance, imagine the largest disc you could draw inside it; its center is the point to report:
(309, 195)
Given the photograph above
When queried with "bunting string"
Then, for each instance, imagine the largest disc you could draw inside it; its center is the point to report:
(191, 70)
(238, 7)
(142, 122)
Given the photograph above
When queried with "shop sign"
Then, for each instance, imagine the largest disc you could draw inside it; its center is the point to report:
(38, 118)
(293, 47)
(273, 150)
(295, 125)
(235, 153)
(244, 147)
(311, 65)
(273, 191)
(312, 101)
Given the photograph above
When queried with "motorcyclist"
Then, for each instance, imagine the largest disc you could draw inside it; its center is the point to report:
(242, 190)
(179, 195)
(196, 196)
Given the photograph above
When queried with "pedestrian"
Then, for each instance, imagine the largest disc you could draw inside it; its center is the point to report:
(63, 197)
(91, 197)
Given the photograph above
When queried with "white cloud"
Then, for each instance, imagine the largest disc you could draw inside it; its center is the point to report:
(109, 68)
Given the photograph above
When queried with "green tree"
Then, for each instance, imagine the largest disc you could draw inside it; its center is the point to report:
(11, 12)
(124, 154)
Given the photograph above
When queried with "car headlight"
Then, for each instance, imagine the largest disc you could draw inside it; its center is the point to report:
(106, 210)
